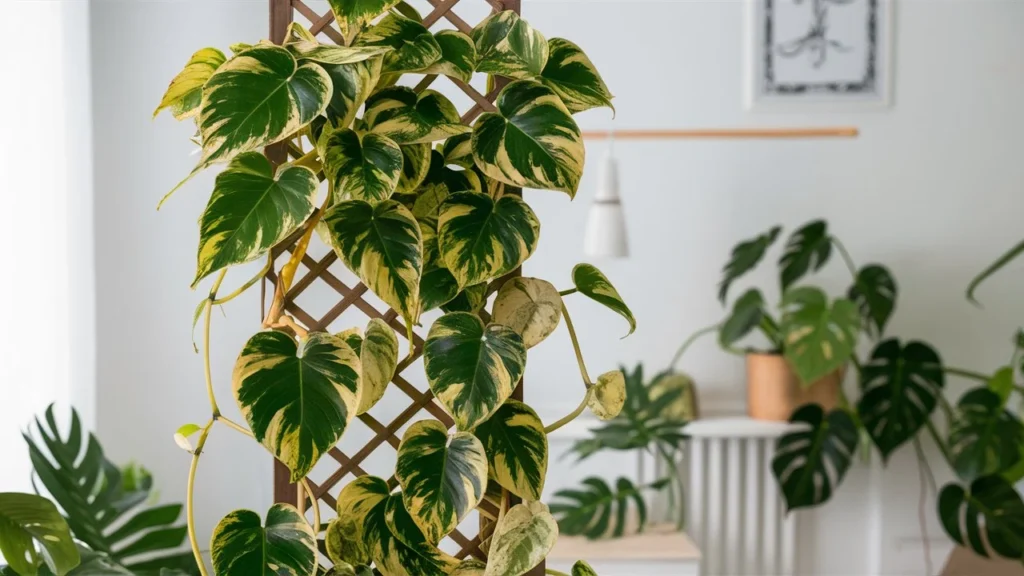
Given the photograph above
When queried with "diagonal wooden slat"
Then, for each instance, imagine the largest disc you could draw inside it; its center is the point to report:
(485, 103)
(439, 10)
(452, 17)
(477, 109)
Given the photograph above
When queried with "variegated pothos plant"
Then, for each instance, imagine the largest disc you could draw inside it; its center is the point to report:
(426, 212)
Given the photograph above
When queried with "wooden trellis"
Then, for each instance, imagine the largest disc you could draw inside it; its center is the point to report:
(354, 295)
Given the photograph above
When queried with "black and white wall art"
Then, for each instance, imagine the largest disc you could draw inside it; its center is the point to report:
(820, 54)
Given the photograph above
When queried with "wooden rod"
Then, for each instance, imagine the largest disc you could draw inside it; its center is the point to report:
(840, 132)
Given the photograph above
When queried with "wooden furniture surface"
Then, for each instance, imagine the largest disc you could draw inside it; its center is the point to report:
(658, 551)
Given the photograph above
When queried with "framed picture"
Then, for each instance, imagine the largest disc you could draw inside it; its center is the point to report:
(826, 55)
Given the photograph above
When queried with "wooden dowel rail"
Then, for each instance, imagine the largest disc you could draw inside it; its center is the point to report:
(725, 133)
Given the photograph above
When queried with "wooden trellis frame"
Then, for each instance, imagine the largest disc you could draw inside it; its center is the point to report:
(422, 404)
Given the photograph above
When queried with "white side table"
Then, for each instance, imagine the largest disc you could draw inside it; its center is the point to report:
(658, 551)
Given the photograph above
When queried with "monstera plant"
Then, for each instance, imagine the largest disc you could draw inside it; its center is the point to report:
(426, 211)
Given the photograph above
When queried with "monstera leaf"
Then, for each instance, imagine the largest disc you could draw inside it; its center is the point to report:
(352, 85)
(594, 285)
(874, 292)
(595, 510)
(900, 388)
(443, 479)
(574, 78)
(252, 209)
(480, 238)
(356, 13)
(361, 166)
(608, 395)
(471, 368)
(383, 246)
(243, 546)
(811, 462)
(27, 519)
(808, 248)
(984, 439)
(458, 55)
(819, 338)
(406, 117)
(304, 46)
(531, 141)
(747, 314)
(508, 46)
(517, 449)
(991, 506)
(530, 306)
(378, 355)
(522, 539)
(745, 256)
(414, 47)
(186, 90)
(415, 166)
(297, 407)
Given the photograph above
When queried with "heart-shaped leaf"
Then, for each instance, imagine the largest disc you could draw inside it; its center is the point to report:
(522, 539)
(608, 395)
(532, 140)
(530, 306)
(378, 356)
(382, 245)
(297, 406)
(406, 117)
(304, 46)
(819, 338)
(747, 314)
(594, 285)
(581, 568)
(414, 48)
(992, 506)
(745, 256)
(27, 519)
(251, 209)
(352, 85)
(361, 166)
(470, 567)
(811, 462)
(808, 248)
(338, 544)
(508, 46)
(900, 388)
(415, 166)
(458, 150)
(243, 546)
(480, 238)
(874, 292)
(356, 13)
(984, 439)
(357, 500)
(438, 288)
(458, 55)
(186, 89)
(471, 368)
(574, 78)
(517, 449)
(443, 479)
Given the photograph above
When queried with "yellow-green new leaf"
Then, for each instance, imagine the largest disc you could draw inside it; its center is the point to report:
(356, 13)
(521, 540)
(415, 166)
(530, 306)
(297, 406)
(517, 449)
(480, 238)
(581, 568)
(186, 90)
(351, 86)
(251, 209)
(304, 46)
(414, 47)
(406, 117)
(443, 479)
(361, 166)
(243, 546)
(382, 245)
(356, 502)
(28, 519)
(472, 369)
(574, 78)
(532, 140)
(181, 436)
(508, 46)
(607, 397)
(593, 284)
(458, 55)
(379, 358)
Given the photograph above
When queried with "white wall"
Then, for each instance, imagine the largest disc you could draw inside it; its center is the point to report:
(930, 188)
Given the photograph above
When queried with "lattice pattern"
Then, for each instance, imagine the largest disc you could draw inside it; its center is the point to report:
(354, 296)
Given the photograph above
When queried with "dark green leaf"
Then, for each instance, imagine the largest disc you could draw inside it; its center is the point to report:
(984, 439)
(593, 284)
(470, 299)
(243, 546)
(415, 48)
(508, 46)
(595, 510)
(574, 77)
(811, 462)
(992, 506)
(745, 256)
(746, 315)
(808, 249)
(996, 266)
(874, 292)
(361, 166)
(517, 449)
(408, 117)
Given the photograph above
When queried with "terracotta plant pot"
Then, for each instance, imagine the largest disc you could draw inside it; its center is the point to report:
(774, 390)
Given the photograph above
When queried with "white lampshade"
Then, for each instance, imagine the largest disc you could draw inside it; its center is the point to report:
(605, 235)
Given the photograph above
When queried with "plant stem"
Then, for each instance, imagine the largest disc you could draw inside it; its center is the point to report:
(845, 255)
(553, 572)
(569, 417)
(259, 275)
(679, 511)
(965, 373)
(568, 292)
(938, 442)
(922, 463)
(576, 347)
(309, 160)
(206, 344)
(190, 498)
(235, 425)
(689, 341)
(315, 503)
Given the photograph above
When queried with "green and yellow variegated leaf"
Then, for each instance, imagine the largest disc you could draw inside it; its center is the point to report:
(186, 89)
(352, 85)
(458, 55)
(508, 46)
(480, 238)
(337, 543)
(298, 407)
(531, 141)
(398, 547)
(607, 397)
(239, 47)
(427, 207)
(415, 166)
(819, 338)
(522, 539)
(594, 285)
(530, 306)
(581, 568)
(304, 46)
(443, 479)
(517, 449)
(574, 78)
(353, 337)
(356, 13)
(470, 299)
(453, 180)
(361, 166)
(471, 368)
(470, 567)
(438, 288)
(458, 150)
(243, 546)
(252, 209)
(414, 47)
(356, 502)
(382, 245)
(428, 230)
(379, 358)
(406, 117)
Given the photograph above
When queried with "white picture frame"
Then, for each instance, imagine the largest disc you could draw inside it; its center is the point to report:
(819, 55)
